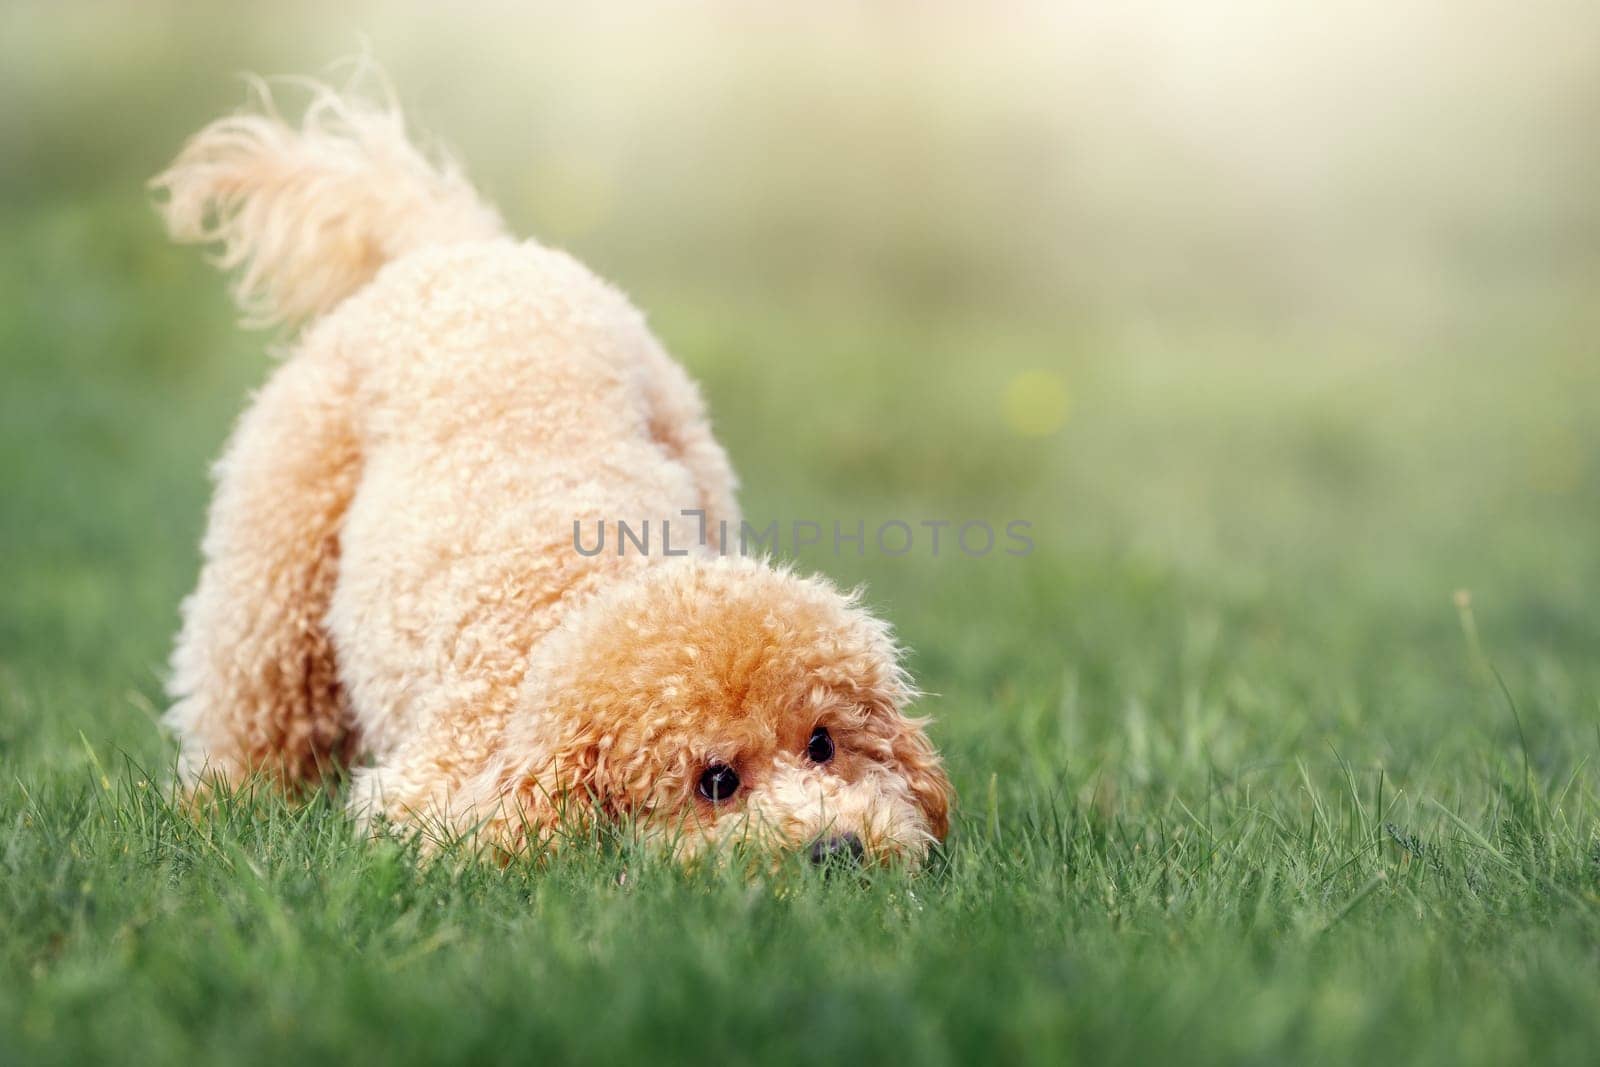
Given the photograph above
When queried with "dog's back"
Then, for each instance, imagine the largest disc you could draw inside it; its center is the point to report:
(508, 394)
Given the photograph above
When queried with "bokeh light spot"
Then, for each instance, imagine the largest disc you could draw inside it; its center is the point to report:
(1036, 403)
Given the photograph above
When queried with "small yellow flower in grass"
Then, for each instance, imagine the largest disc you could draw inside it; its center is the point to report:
(1036, 403)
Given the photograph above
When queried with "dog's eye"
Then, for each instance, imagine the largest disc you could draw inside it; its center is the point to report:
(718, 783)
(820, 747)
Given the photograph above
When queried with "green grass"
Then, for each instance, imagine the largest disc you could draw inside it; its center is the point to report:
(1239, 779)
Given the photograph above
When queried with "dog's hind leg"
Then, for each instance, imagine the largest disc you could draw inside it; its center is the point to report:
(253, 675)
(680, 427)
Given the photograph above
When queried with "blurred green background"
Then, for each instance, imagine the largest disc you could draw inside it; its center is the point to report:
(1282, 327)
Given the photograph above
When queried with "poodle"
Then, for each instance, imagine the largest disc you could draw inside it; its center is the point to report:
(390, 585)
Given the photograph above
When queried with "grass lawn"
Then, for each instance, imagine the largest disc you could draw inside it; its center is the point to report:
(1282, 746)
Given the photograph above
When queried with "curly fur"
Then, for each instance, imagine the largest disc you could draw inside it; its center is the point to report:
(308, 215)
(389, 578)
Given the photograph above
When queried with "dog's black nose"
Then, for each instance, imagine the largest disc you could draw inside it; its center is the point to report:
(842, 848)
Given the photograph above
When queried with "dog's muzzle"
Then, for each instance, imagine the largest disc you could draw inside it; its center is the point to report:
(837, 848)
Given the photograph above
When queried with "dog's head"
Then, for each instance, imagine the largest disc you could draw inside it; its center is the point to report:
(722, 701)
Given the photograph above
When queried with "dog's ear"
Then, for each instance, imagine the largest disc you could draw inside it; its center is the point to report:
(536, 796)
(917, 759)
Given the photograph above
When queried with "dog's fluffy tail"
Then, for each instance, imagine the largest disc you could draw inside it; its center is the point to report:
(307, 215)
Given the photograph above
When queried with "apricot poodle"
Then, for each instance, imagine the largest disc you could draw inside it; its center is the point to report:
(390, 580)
